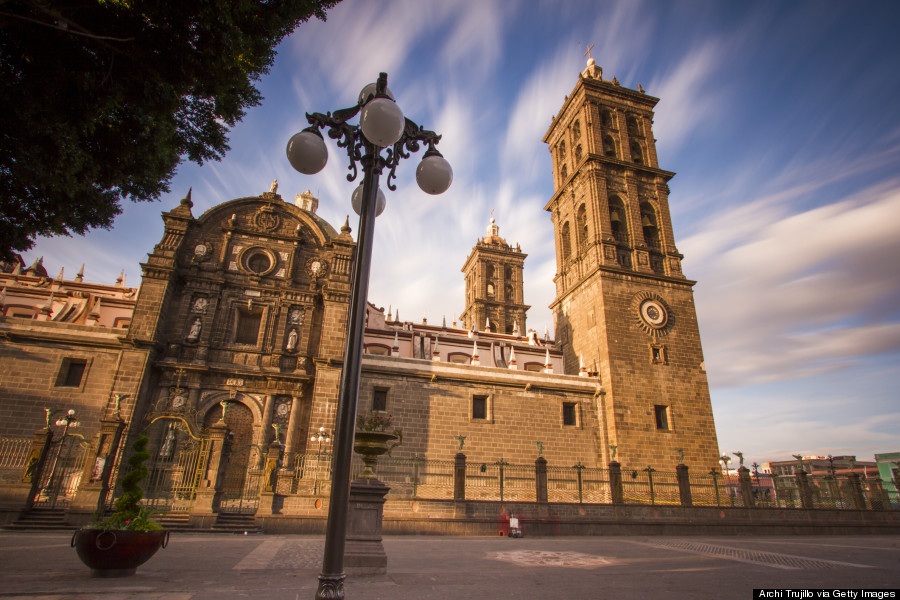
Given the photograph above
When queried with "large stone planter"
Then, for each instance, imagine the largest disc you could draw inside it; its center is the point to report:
(370, 445)
(117, 553)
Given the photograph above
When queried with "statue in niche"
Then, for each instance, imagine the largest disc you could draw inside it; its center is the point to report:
(200, 304)
(194, 334)
(292, 340)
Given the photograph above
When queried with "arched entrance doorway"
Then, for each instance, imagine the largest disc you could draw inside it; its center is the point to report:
(241, 472)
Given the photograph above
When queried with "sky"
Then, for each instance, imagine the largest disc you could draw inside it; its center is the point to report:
(781, 120)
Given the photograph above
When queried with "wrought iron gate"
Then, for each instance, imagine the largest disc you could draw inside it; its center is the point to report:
(173, 481)
(62, 472)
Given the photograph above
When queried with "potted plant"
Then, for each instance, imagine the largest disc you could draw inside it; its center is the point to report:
(116, 545)
(372, 438)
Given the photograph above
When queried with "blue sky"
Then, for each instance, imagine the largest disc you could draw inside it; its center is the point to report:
(781, 120)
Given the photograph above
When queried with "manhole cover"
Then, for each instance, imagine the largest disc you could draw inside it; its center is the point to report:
(541, 558)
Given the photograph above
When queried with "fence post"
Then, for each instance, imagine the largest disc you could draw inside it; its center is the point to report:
(616, 492)
(684, 485)
(805, 493)
(540, 479)
(746, 487)
(856, 491)
(459, 477)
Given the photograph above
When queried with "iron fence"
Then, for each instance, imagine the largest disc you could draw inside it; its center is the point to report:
(578, 484)
(13, 458)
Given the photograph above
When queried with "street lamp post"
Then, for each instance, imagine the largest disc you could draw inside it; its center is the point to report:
(69, 421)
(382, 128)
(322, 436)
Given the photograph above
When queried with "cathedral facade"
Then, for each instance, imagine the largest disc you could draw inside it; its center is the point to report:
(229, 355)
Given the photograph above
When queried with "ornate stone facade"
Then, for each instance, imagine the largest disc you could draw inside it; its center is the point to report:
(623, 308)
(236, 340)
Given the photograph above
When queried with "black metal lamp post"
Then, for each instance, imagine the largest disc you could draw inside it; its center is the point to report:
(69, 421)
(322, 436)
(382, 128)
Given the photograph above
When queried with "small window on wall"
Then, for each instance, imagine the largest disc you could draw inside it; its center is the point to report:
(662, 417)
(658, 355)
(71, 372)
(246, 329)
(480, 408)
(379, 399)
(569, 414)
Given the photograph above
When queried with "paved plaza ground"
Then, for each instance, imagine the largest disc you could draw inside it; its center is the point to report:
(200, 566)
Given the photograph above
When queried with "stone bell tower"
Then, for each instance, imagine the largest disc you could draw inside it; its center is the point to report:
(622, 304)
(494, 292)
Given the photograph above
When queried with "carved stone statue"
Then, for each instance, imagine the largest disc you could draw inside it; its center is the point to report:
(274, 188)
(194, 334)
(292, 340)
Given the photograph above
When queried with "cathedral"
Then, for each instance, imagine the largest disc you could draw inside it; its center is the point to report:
(233, 344)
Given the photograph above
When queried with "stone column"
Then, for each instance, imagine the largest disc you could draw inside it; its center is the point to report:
(856, 491)
(616, 492)
(540, 479)
(212, 481)
(805, 492)
(364, 551)
(684, 485)
(268, 409)
(459, 477)
(92, 494)
(270, 479)
(291, 435)
(746, 487)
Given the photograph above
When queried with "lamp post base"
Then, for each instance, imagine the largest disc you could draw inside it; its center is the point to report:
(331, 587)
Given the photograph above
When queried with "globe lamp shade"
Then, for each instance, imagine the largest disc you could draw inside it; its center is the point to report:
(369, 92)
(356, 201)
(306, 151)
(434, 174)
(382, 122)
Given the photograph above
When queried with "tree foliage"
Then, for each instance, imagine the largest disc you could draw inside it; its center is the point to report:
(101, 99)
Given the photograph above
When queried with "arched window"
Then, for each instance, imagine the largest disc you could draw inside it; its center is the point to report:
(489, 276)
(563, 173)
(565, 242)
(576, 131)
(649, 225)
(581, 226)
(578, 153)
(606, 118)
(609, 146)
(634, 128)
(637, 153)
(561, 152)
(618, 219)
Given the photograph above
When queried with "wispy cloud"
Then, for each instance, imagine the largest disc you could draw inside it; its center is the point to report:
(784, 295)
